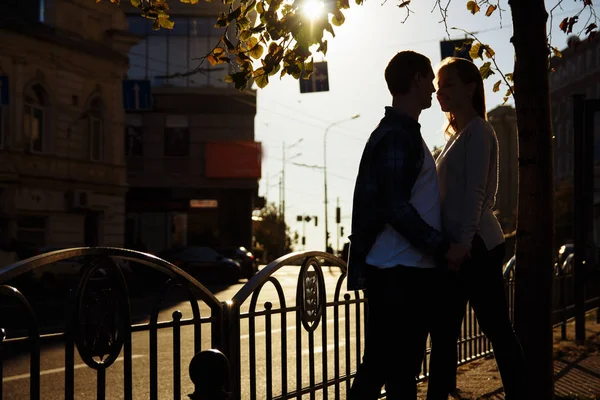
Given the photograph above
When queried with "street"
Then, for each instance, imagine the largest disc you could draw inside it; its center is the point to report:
(16, 368)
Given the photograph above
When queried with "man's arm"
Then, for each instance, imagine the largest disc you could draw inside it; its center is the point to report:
(394, 167)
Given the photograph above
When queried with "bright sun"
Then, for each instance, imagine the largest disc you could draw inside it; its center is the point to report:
(314, 9)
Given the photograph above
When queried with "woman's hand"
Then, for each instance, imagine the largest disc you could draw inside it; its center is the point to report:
(457, 254)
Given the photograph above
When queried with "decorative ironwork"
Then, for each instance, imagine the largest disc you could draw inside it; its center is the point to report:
(102, 313)
(311, 293)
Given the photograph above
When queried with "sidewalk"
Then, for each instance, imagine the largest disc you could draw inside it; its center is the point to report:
(576, 369)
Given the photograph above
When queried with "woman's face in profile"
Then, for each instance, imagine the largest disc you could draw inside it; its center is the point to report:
(452, 93)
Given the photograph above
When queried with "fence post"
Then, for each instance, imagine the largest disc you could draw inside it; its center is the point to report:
(209, 371)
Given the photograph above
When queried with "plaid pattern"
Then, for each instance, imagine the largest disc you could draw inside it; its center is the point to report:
(391, 162)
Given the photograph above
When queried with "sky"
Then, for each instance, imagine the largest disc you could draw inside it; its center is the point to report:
(371, 35)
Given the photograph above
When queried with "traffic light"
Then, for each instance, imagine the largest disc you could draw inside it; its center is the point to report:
(338, 215)
(316, 221)
(299, 218)
(303, 240)
(341, 231)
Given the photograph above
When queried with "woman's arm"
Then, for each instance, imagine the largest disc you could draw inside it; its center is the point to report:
(478, 149)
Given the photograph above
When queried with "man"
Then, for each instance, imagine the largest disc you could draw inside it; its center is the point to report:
(396, 242)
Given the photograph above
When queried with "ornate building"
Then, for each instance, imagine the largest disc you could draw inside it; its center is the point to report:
(62, 164)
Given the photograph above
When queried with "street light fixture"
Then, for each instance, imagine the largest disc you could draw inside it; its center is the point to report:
(325, 172)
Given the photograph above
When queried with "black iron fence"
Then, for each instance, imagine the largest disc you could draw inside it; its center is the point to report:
(279, 344)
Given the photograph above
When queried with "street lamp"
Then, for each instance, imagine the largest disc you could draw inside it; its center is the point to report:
(325, 171)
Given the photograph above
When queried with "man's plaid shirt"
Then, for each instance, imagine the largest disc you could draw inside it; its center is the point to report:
(390, 164)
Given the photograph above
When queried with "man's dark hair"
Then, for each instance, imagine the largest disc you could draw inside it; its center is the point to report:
(402, 70)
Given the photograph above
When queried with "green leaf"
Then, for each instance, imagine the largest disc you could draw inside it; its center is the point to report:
(260, 7)
(245, 35)
(473, 7)
(261, 78)
(497, 86)
(338, 18)
(257, 51)
(475, 51)
(486, 70)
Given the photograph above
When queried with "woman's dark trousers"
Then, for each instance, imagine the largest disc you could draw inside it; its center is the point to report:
(479, 282)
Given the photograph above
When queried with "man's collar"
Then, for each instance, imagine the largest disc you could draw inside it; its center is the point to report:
(402, 116)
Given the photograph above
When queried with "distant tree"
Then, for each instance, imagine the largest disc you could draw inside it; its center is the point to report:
(272, 234)
(436, 151)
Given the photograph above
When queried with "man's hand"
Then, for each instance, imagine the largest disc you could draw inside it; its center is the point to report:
(457, 254)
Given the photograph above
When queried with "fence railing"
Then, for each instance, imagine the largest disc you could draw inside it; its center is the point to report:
(280, 343)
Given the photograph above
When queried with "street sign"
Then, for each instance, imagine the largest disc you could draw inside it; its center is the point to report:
(4, 92)
(318, 81)
(456, 48)
(137, 95)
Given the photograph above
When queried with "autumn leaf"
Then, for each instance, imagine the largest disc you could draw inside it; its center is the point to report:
(136, 3)
(490, 10)
(489, 52)
(564, 25)
(509, 77)
(473, 7)
(212, 60)
(497, 86)
(475, 51)
(590, 28)
(556, 52)
(486, 70)
(404, 3)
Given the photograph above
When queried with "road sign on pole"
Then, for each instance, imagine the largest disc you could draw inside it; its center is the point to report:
(137, 95)
(318, 81)
(456, 48)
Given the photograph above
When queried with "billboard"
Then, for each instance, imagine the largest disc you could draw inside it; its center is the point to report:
(233, 159)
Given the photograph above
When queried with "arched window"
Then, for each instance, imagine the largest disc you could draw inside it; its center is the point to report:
(96, 130)
(35, 119)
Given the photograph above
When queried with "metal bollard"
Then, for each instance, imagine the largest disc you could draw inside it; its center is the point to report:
(209, 371)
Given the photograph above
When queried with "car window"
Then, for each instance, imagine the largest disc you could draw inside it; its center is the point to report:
(201, 253)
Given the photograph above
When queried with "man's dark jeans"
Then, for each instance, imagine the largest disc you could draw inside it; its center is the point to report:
(479, 282)
(400, 307)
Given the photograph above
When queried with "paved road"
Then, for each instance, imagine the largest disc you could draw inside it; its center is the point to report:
(16, 369)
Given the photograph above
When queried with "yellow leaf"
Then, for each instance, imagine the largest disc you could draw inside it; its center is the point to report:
(212, 60)
(490, 10)
(165, 22)
(474, 52)
(556, 52)
(473, 7)
(497, 86)
(251, 43)
(489, 52)
(218, 51)
(136, 3)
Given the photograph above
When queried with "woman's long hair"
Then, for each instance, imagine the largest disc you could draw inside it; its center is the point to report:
(468, 73)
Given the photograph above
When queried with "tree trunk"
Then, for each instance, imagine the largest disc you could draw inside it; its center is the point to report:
(535, 231)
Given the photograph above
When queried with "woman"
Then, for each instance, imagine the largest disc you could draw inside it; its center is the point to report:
(468, 179)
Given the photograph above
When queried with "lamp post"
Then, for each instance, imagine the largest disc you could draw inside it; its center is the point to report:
(325, 171)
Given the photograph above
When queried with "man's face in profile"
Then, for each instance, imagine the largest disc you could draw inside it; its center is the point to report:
(424, 88)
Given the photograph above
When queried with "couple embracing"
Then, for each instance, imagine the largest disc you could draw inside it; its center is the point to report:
(425, 240)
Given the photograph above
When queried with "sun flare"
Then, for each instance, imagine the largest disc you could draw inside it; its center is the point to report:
(314, 9)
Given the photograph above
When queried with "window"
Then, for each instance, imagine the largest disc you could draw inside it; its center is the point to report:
(31, 229)
(177, 136)
(134, 135)
(96, 130)
(35, 119)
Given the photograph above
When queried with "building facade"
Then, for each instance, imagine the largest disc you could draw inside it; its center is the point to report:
(192, 162)
(576, 72)
(62, 164)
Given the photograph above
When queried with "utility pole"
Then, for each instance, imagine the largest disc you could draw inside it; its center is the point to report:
(325, 172)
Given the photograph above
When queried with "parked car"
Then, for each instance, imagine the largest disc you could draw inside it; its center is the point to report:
(204, 264)
(247, 260)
